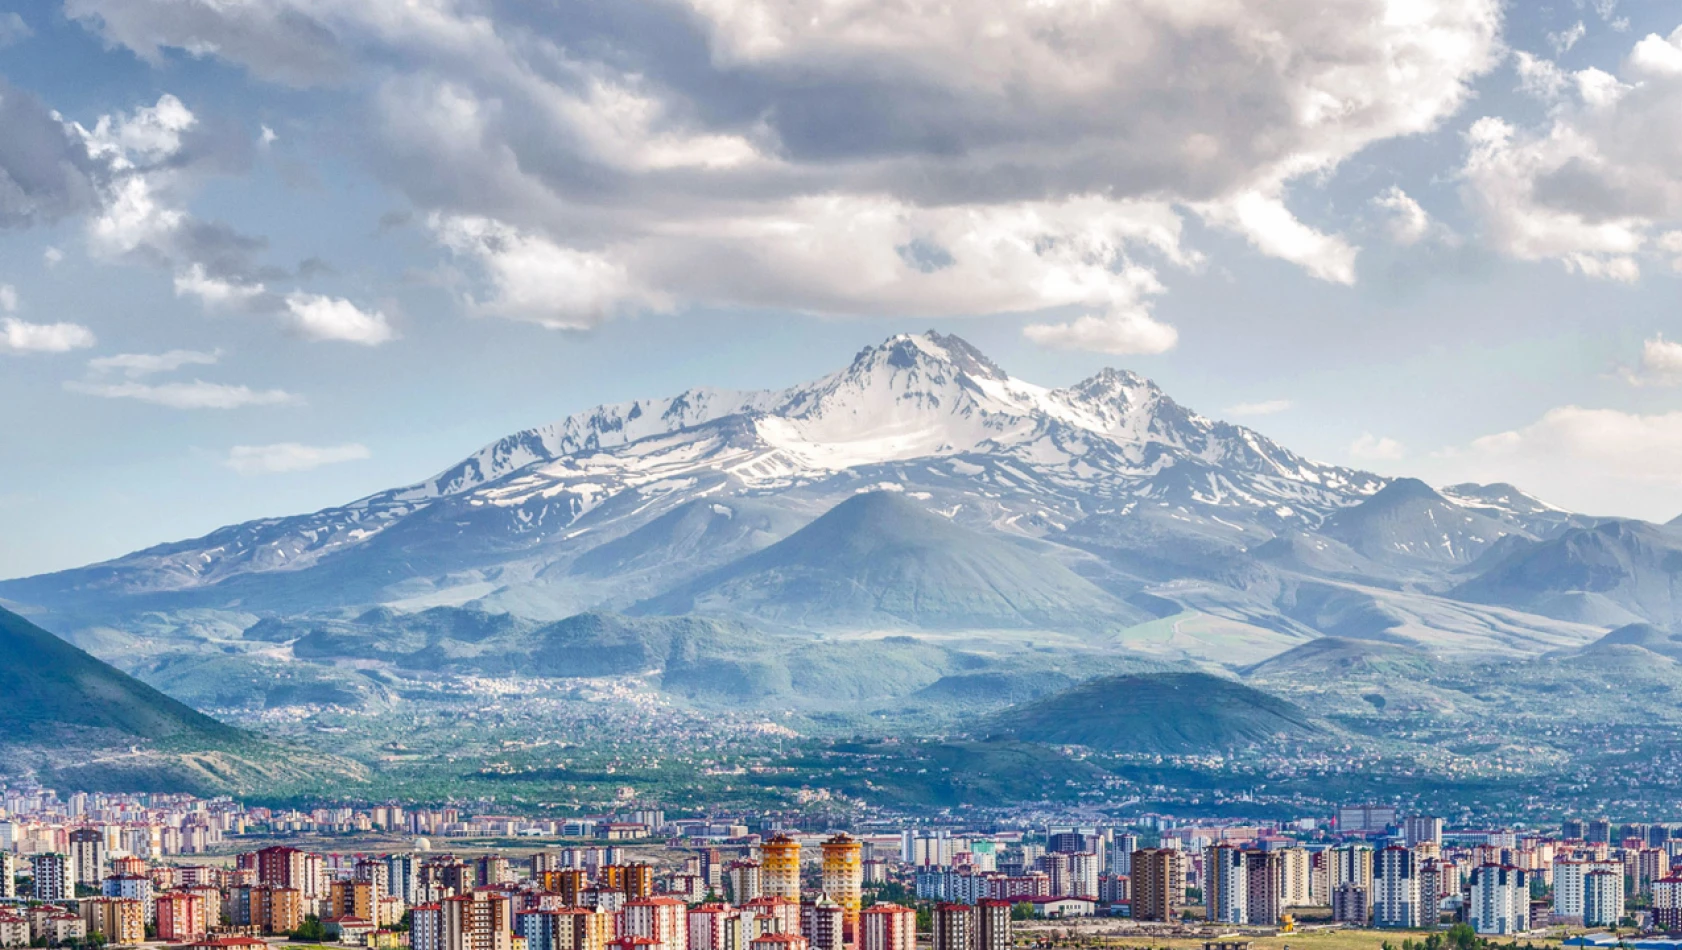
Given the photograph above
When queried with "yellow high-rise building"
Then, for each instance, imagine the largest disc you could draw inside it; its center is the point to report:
(843, 878)
(779, 859)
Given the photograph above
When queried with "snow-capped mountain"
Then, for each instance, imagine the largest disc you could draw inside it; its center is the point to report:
(1129, 504)
(923, 412)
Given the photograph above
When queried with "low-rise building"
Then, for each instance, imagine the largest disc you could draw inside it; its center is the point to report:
(1063, 906)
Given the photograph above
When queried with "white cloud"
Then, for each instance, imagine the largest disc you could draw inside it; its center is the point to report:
(533, 278)
(1538, 77)
(134, 218)
(333, 318)
(214, 291)
(1124, 334)
(846, 255)
(1607, 10)
(1565, 39)
(1662, 357)
(137, 365)
(1670, 242)
(1660, 364)
(1593, 185)
(133, 173)
(1656, 55)
(1271, 227)
(1408, 222)
(1265, 408)
(149, 134)
(197, 394)
(587, 167)
(13, 30)
(290, 457)
(1502, 172)
(267, 137)
(1588, 459)
(16, 336)
(1373, 448)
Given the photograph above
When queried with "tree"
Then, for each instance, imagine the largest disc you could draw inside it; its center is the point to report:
(892, 892)
(311, 929)
(1022, 910)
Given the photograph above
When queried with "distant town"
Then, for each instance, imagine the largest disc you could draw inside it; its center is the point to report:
(95, 869)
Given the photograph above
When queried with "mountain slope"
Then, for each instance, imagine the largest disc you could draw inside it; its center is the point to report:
(1613, 573)
(1409, 523)
(696, 534)
(54, 690)
(80, 723)
(1339, 656)
(1643, 635)
(1161, 713)
(880, 557)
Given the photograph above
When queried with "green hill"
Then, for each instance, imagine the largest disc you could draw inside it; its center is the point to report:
(53, 689)
(1162, 713)
(1331, 657)
(1642, 635)
(881, 558)
(75, 721)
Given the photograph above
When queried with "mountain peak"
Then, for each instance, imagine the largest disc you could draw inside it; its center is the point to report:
(1109, 384)
(908, 350)
(1403, 490)
(1499, 495)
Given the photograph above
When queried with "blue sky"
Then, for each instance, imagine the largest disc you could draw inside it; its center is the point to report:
(268, 257)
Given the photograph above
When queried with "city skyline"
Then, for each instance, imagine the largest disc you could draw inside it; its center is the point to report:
(178, 869)
(840, 475)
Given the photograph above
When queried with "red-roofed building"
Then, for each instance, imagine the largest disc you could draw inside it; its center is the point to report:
(226, 943)
(481, 921)
(715, 927)
(887, 927)
(665, 920)
(778, 941)
(181, 916)
(14, 930)
(1667, 904)
(784, 914)
(426, 927)
(348, 928)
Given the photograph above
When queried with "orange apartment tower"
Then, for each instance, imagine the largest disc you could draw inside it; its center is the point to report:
(780, 868)
(843, 879)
